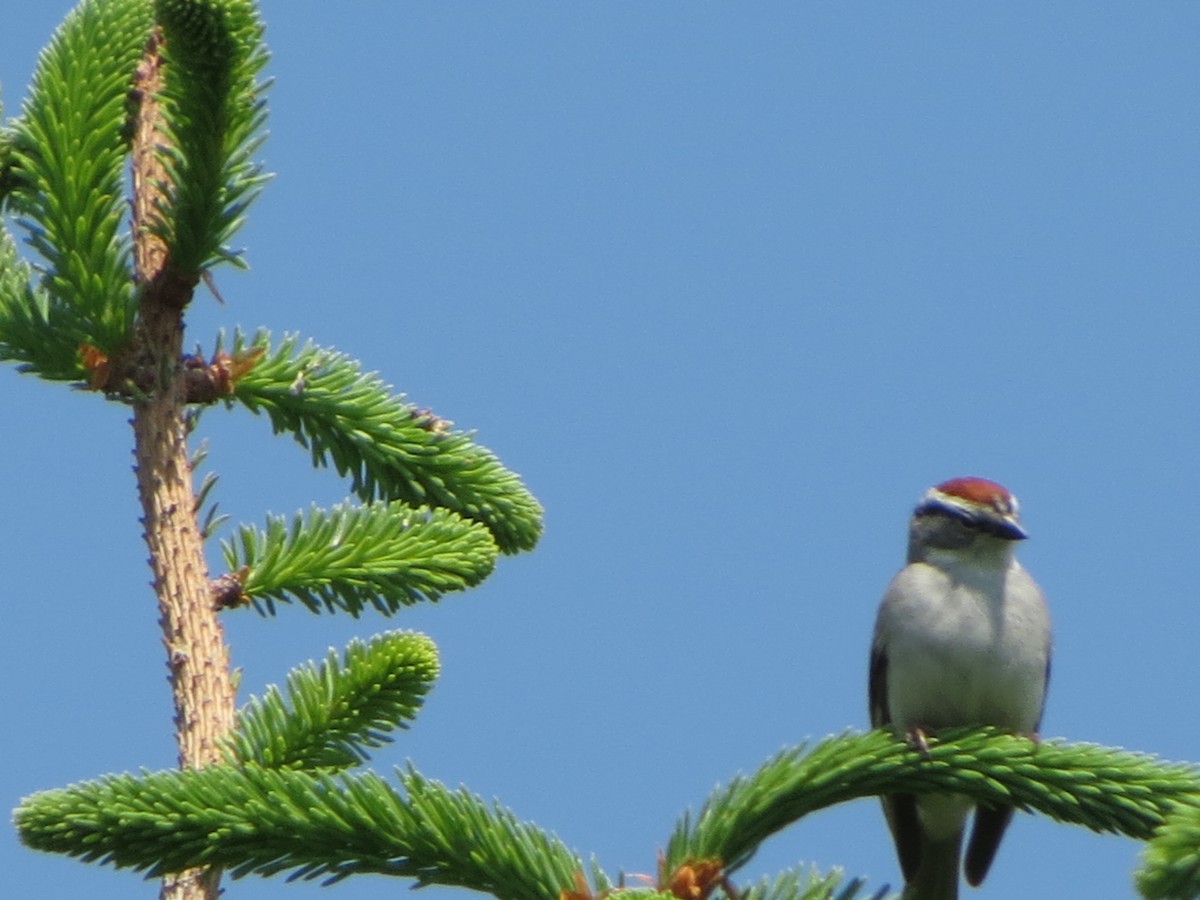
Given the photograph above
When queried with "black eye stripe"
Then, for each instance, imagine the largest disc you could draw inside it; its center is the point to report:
(977, 520)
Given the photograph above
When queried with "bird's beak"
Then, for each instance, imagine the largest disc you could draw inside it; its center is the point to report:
(1008, 527)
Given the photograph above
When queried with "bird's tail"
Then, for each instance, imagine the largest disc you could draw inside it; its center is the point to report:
(936, 877)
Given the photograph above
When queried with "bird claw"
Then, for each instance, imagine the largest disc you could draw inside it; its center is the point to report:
(918, 738)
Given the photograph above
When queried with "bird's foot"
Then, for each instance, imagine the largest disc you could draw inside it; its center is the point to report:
(918, 739)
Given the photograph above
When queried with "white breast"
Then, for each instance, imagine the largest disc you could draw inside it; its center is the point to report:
(964, 648)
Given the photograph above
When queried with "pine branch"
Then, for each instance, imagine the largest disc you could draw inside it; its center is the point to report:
(467, 843)
(258, 821)
(335, 710)
(800, 884)
(8, 181)
(24, 305)
(390, 449)
(700, 879)
(63, 177)
(386, 555)
(1098, 787)
(61, 170)
(213, 53)
(1171, 864)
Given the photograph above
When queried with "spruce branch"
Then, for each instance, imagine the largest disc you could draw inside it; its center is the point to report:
(335, 710)
(1101, 788)
(386, 555)
(213, 117)
(1171, 863)
(252, 820)
(802, 884)
(8, 181)
(24, 305)
(390, 449)
(63, 177)
(708, 878)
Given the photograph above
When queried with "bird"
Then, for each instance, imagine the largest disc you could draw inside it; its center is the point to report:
(962, 637)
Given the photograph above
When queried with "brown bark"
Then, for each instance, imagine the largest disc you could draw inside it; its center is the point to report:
(197, 658)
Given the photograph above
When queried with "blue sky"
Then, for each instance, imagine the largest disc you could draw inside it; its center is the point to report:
(729, 286)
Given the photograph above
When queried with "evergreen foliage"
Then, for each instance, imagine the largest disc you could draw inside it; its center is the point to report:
(254, 820)
(390, 449)
(227, 816)
(385, 555)
(795, 885)
(62, 176)
(1171, 866)
(213, 53)
(1098, 787)
(335, 711)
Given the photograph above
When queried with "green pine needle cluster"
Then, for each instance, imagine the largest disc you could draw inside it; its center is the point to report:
(390, 449)
(811, 885)
(335, 711)
(213, 54)
(24, 309)
(383, 555)
(63, 177)
(1171, 864)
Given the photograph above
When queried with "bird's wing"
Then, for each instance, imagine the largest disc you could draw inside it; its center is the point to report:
(900, 809)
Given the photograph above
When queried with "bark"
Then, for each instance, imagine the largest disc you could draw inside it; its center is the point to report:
(197, 657)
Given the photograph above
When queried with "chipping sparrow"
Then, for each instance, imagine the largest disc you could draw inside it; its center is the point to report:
(962, 638)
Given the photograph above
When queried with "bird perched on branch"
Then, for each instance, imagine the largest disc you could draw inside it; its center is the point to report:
(962, 638)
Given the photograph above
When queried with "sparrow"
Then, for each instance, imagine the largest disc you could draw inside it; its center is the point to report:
(962, 637)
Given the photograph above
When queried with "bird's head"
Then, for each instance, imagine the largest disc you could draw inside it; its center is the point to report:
(965, 514)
